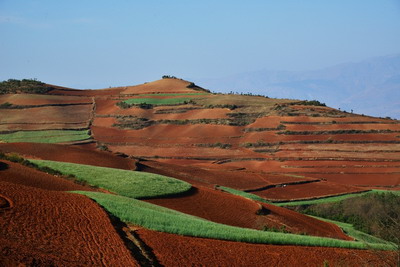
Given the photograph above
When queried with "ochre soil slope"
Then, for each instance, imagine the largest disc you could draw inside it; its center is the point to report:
(175, 250)
(52, 228)
(86, 154)
(233, 210)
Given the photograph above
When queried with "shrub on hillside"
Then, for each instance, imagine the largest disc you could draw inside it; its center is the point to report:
(14, 86)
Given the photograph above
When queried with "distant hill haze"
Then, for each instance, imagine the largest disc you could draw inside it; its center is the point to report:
(370, 87)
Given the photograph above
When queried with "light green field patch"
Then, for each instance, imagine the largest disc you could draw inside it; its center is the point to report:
(165, 220)
(48, 136)
(127, 183)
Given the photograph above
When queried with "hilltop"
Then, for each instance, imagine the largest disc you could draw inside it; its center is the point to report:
(168, 162)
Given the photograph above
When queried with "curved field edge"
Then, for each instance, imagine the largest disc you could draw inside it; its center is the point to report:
(46, 136)
(347, 228)
(127, 183)
(321, 200)
(165, 220)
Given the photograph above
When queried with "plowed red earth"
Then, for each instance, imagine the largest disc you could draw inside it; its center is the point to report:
(18, 174)
(32, 99)
(63, 114)
(233, 210)
(349, 119)
(306, 191)
(89, 93)
(336, 127)
(385, 180)
(160, 86)
(51, 228)
(177, 151)
(206, 177)
(73, 154)
(175, 250)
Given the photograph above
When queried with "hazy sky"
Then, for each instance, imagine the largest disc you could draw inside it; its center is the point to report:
(102, 43)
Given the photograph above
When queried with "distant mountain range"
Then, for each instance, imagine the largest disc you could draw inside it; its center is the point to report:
(370, 87)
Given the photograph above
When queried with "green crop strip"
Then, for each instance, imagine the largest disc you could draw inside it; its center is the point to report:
(132, 184)
(165, 220)
(332, 199)
(48, 136)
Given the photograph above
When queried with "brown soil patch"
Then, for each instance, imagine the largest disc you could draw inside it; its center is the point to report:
(74, 154)
(168, 132)
(180, 151)
(33, 99)
(216, 206)
(233, 210)
(104, 122)
(160, 86)
(89, 93)
(50, 228)
(336, 127)
(175, 250)
(361, 179)
(266, 122)
(305, 191)
(60, 115)
(18, 174)
(205, 177)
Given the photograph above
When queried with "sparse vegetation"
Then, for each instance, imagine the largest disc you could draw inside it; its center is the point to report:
(132, 184)
(375, 213)
(220, 145)
(27, 86)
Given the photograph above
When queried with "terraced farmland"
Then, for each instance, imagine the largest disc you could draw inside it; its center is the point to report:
(177, 160)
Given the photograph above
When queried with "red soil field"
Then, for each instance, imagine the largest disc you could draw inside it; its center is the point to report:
(336, 127)
(353, 118)
(379, 179)
(160, 86)
(105, 106)
(51, 228)
(19, 174)
(206, 177)
(169, 132)
(233, 210)
(60, 115)
(175, 250)
(104, 122)
(34, 99)
(73, 154)
(266, 122)
(88, 93)
(343, 147)
(181, 151)
(216, 113)
(305, 191)
(338, 154)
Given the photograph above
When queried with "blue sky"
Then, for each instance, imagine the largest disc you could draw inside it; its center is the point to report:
(97, 44)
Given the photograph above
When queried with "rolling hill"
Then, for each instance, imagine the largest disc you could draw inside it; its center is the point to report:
(168, 173)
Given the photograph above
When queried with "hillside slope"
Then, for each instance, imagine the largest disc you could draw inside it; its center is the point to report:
(267, 150)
